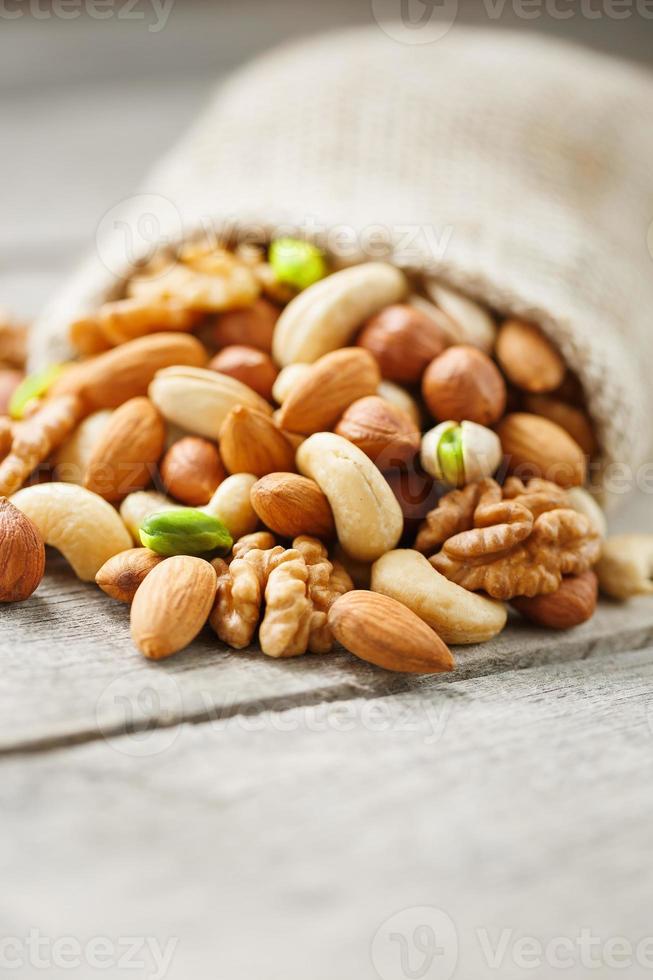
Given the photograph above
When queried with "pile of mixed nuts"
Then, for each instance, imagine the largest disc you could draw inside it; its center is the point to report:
(304, 455)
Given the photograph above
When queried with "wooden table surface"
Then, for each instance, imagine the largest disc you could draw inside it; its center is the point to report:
(226, 816)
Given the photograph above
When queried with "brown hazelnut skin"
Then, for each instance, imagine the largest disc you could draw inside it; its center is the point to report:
(384, 432)
(247, 364)
(253, 325)
(464, 383)
(403, 340)
(192, 470)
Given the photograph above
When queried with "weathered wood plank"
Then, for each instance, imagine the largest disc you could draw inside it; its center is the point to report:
(277, 846)
(68, 669)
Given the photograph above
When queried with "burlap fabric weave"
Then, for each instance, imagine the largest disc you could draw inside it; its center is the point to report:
(518, 169)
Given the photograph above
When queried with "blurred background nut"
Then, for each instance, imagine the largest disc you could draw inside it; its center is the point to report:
(10, 378)
(22, 554)
(471, 322)
(460, 454)
(625, 568)
(291, 505)
(528, 358)
(250, 442)
(464, 383)
(535, 446)
(404, 340)
(573, 420)
(231, 503)
(192, 470)
(121, 575)
(385, 433)
(253, 326)
(573, 603)
(251, 366)
(332, 384)
(582, 501)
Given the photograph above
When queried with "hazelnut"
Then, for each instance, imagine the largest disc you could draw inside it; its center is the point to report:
(247, 364)
(460, 454)
(192, 470)
(384, 432)
(404, 341)
(528, 358)
(23, 554)
(253, 325)
(464, 383)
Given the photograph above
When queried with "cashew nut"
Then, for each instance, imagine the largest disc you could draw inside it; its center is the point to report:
(231, 503)
(82, 526)
(138, 506)
(583, 502)
(199, 400)
(368, 517)
(327, 314)
(396, 395)
(472, 324)
(625, 568)
(458, 616)
(74, 456)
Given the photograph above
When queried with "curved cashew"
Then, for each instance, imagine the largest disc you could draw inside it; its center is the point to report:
(368, 517)
(582, 501)
(81, 525)
(625, 568)
(231, 504)
(138, 506)
(199, 400)
(74, 456)
(326, 315)
(458, 616)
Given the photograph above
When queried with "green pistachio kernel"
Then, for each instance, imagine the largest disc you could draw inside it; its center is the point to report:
(33, 386)
(297, 263)
(450, 456)
(184, 531)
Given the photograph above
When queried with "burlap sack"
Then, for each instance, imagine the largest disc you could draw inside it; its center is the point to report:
(519, 170)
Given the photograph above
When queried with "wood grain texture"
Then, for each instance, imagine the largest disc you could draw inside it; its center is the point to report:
(276, 846)
(69, 670)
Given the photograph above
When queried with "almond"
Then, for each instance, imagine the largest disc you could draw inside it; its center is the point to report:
(127, 451)
(573, 420)
(253, 326)
(570, 605)
(250, 442)
(247, 364)
(291, 505)
(110, 379)
(330, 386)
(384, 432)
(172, 605)
(121, 575)
(464, 383)
(22, 554)
(528, 358)
(384, 632)
(535, 446)
(404, 341)
(192, 470)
